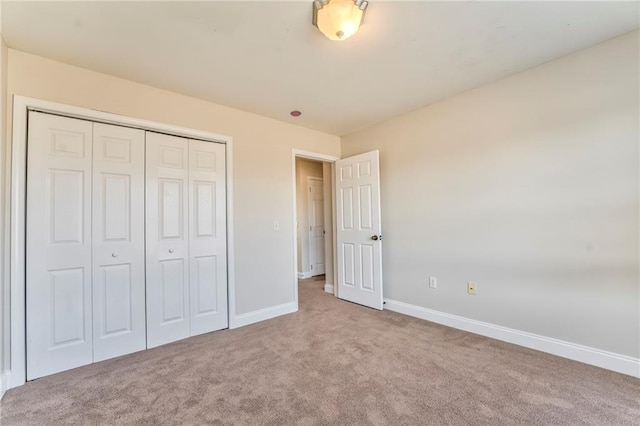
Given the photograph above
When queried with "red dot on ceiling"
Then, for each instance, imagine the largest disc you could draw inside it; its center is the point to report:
(295, 113)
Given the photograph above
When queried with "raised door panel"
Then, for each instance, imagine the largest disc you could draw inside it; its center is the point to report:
(206, 285)
(318, 267)
(204, 204)
(172, 272)
(117, 303)
(116, 199)
(348, 263)
(167, 238)
(366, 261)
(207, 237)
(171, 208)
(58, 270)
(317, 214)
(346, 213)
(118, 241)
(66, 205)
(67, 307)
(366, 208)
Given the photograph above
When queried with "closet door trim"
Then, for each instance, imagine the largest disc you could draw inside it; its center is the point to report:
(17, 163)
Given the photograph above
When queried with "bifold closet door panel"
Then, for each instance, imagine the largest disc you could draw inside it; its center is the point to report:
(167, 239)
(207, 237)
(58, 269)
(119, 323)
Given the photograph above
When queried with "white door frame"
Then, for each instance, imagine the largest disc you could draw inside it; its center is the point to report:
(309, 180)
(297, 153)
(18, 163)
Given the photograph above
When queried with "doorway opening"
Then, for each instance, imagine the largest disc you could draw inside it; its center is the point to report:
(313, 194)
(353, 252)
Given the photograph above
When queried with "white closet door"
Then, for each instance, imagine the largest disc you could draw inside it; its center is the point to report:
(59, 324)
(167, 239)
(207, 237)
(118, 241)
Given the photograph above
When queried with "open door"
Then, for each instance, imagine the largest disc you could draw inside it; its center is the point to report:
(316, 226)
(359, 256)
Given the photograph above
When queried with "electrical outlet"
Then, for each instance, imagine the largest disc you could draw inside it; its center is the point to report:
(433, 282)
(471, 287)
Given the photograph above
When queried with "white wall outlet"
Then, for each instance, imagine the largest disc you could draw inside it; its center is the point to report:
(433, 282)
(471, 287)
(276, 225)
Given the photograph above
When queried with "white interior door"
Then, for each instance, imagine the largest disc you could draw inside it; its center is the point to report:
(58, 270)
(207, 237)
(118, 241)
(359, 257)
(167, 239)
(316, 226)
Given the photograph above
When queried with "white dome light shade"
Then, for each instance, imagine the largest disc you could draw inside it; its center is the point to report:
(338, 19)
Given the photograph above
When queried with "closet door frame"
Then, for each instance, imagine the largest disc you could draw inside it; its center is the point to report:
(16, 226)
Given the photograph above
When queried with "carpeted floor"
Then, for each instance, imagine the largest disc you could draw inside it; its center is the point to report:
(331, 363)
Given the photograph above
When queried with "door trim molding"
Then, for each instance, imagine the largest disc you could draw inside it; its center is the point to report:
(16, 376)
(297, 153)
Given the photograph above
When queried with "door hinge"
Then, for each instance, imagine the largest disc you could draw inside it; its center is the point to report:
(312, 267)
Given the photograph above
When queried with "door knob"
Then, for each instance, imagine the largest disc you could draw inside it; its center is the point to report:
(171, 250)
(114, 254)
(374, 238)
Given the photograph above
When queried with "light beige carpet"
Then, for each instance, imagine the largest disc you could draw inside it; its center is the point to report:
(332, 363)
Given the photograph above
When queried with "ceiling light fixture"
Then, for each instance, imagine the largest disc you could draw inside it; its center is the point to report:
(338, 19)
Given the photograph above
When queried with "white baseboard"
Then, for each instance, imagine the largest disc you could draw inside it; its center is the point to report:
(263, 314)
(4, 383)
(304, 275)
(608, 360)
(328, 288)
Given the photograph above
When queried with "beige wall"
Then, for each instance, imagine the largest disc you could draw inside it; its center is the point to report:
(261, 163)
(528, 186)
(304, 169)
